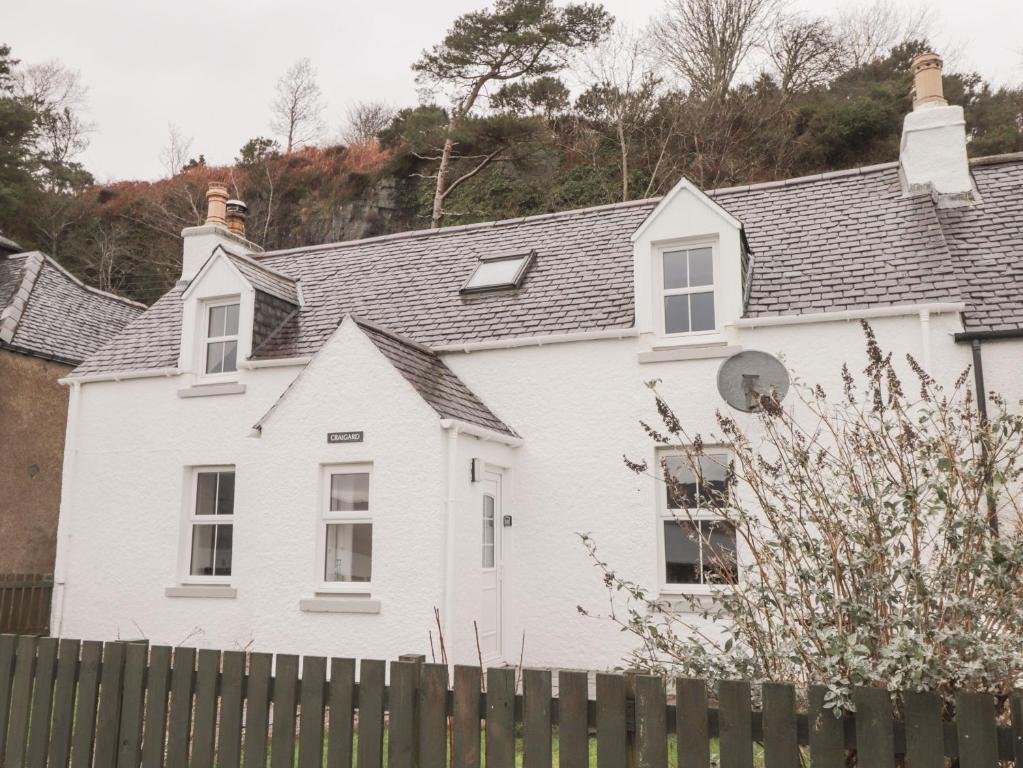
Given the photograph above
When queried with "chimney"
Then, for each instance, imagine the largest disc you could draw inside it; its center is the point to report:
(216, 204)
(224, 227)
(236, 213)
(932, 156)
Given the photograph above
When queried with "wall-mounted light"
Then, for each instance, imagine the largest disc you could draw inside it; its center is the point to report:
(476, 470)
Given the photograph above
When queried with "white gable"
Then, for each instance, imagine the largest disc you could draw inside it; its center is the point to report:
(353, 383)
(687, 217)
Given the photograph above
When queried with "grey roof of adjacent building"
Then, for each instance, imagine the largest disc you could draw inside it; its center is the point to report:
(433, 380)
(47, 312)
(834, 241)
(8, 246)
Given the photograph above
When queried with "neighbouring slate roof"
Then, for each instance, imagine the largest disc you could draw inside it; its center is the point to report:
(835, 241)
(433, 380)
(48, 312)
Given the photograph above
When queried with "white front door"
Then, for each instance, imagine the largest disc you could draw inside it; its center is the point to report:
(490, 561)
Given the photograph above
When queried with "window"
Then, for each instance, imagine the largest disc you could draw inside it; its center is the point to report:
(221, 338)
(348, 528)
(488, 531)
(688, 290)
(698, 547)
(498, 272)
(212, 523)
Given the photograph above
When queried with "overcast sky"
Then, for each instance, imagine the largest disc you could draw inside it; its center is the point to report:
(210, 67)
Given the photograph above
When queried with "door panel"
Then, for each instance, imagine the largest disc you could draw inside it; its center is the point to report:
(490, 562)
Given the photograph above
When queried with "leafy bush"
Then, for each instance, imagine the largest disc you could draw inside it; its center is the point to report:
(868, 539)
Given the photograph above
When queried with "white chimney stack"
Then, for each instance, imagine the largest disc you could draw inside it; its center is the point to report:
(221, 228)
(932, 157)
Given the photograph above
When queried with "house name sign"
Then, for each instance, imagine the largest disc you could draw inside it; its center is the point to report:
(344, 437)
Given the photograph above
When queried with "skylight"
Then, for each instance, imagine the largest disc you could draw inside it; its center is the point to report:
(499, 272)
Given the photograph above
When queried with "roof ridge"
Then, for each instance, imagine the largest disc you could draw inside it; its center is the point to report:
(81, 284)
(414, 233)
(11, 314)
(249, 260)
(393, 335)
(797, 180)
(1006, 157)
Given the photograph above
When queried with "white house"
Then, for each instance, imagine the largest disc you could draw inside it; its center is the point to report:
(311, 450)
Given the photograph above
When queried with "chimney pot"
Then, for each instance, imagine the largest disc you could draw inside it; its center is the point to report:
(927, 86)
(236, 213)
(216, 203)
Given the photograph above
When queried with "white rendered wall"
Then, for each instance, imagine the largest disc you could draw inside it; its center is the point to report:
(576, 405)
(136, 439)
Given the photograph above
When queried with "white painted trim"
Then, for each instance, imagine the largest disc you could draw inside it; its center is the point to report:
(199, 590)
(685, 184)
(690, 352)
(464, 427)
(904, 310)
(450, 515)
(211, 390)
(276, 362)
(151, 373)
(65, 531)
(338, 605)
(537, 341)
(327, 517)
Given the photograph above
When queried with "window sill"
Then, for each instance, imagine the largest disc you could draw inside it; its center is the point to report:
(209, 390)
(663, 354)
(200, 590)
(339, 605)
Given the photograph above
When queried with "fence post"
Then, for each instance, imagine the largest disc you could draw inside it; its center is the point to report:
(419, 659)
(630, 709)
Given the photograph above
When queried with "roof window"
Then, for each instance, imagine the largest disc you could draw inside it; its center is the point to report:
(499, 272)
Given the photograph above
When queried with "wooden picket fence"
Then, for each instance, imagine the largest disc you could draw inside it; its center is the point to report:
(120, 705)
(25, 603)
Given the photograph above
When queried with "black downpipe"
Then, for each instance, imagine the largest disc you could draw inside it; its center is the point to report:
(978, 383)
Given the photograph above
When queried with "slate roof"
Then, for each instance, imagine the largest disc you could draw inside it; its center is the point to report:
(841, 241)
(986, 242)
(48, 312)
(265, 279)
(433, 380)
(834, 241)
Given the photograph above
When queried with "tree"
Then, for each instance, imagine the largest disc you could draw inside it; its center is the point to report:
(868, 32)
(544, 97)
(516, 40)
(58, 96)
(863, 526)
(622, 93)
(297, 108)
(706, 41)
(364, 120)
(18, 132)
(804, 52)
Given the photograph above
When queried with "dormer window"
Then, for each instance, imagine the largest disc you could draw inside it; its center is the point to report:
(688, 290)
(221, 343)
(499, 272)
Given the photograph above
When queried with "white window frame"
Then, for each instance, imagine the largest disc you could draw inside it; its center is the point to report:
(664, 514)
(526, 259)
(192, 518)
(328, 517)
(661, 292)
(208, 306)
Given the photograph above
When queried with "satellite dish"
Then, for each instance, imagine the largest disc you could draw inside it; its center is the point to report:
(746, 376)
